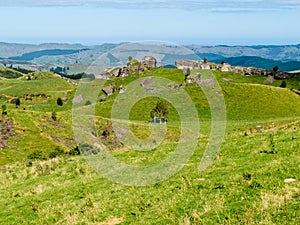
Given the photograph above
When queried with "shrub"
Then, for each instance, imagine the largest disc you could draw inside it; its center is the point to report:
(56, 152)
(54, 116)
(37, 154)
(18, 102)
(3, 107)
(59, 102)
(87, 149)
(283, 84)
(161, 110)
(74, 151)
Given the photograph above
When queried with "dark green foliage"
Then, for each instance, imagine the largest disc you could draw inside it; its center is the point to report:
(161, 110)
(18, 102)
(74, 151)
(56, 152)
(59, 102)
(272, 143)
(205, 60)
(22, 70)
(10, 74)
(54, 116)
(275, 69)
(37, 154)
(283, 84)
(3, 107)
(247, 176)
(87, 149)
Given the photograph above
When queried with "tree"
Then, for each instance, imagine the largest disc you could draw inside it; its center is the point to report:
(275, 69)
(205, 60)
(59, 102)
(129, 58)
(188, 72)
(161, 110)
(283, 84)
(223, 62)
(3, 107)
(18, 102)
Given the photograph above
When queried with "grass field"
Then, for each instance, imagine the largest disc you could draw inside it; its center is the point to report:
(246, 184)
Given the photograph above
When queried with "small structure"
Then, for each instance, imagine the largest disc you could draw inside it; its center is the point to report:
(159, 120)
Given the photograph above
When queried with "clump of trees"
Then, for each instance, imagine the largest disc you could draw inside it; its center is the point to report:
(161, 110)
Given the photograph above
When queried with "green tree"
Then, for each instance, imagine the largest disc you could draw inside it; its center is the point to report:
(161, 110)
(3, 107)
(59, 102)
(275, 69)
(283, 84)
(205, 60)
(18, 102)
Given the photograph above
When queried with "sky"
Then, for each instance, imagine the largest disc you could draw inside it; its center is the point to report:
(202, 22)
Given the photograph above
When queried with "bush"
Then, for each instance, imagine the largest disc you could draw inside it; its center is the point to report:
(283, 84)
(54, 116)
(87, 149)
(161, 110)
(74, 151)
(56, 152)
(37, 154)
(3, 107)
(59, 102)
(18, 102)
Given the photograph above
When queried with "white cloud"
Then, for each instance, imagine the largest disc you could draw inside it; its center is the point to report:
(208, 5)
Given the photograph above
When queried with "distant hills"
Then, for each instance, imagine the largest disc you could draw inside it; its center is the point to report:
(45, 56)
(258, 62)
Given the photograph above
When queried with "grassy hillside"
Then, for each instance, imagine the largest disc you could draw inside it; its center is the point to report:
(244, 186)
(42, 183)
(9, 73)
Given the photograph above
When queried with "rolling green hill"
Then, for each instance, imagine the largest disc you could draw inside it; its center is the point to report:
(42, 182)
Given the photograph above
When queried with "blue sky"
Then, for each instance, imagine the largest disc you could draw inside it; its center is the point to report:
(204, 22)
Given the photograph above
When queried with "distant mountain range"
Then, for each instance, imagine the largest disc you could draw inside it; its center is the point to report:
(43, 56)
